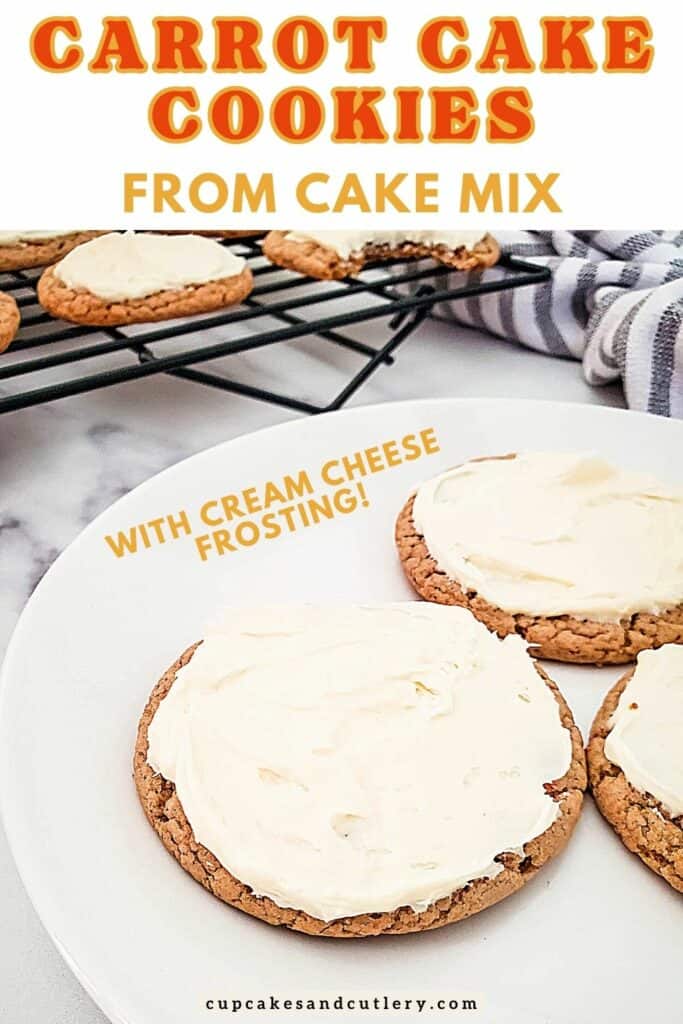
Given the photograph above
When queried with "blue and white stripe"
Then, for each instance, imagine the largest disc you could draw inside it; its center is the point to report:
(615, 302)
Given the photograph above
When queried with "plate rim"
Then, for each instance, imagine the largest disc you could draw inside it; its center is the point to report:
(39, 893)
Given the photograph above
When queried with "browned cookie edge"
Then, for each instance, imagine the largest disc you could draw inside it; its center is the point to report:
(315, 260)
(10, 320)
(82, 307)
(165, 813)
(557, 637)
(639, 820)
(27, 255)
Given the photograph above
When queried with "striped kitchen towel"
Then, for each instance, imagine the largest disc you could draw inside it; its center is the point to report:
(615, 302)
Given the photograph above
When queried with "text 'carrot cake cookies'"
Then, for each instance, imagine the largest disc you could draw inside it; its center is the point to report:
(359, 770)
(581, 558)
(132, 278)
(338, 254)
(9, 320)
(635, 758)
(21, 250)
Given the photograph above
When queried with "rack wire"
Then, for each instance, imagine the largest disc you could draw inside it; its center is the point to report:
(399, 296)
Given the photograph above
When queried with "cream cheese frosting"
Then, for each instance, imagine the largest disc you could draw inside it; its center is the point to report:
(119, 267)
(646, 737)
(344, 243)
(28, 237)
(557, 533)
(354, 760)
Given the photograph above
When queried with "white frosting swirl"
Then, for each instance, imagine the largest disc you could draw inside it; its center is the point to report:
(117, 267)
(555, 534)
(646, 738)
(355, 760)
(344, 243)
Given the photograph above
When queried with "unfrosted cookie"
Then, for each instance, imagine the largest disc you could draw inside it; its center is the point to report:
(498, 562)
(9, 320)
(640, 726)
(131, 278)
(295, 793)
(333, 255)
(34, 249)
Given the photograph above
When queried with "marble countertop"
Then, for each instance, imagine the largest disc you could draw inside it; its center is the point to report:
(63, 463)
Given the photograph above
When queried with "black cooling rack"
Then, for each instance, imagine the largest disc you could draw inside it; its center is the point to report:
(282, 307)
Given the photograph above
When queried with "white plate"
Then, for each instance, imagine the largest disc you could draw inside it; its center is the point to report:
(595, 937)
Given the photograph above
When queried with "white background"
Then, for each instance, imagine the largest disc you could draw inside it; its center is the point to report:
(613, 138)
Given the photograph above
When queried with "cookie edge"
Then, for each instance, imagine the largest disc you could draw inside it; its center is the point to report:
(318, 261)
(560, 638)
(633, 815)
(83, 307)
(157, 796)
(10, 320)
(30, 255)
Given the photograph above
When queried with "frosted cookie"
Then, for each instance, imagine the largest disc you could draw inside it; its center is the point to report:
(358, 771)
(9, 320)
(21, 250)
(635, 759)
(141, 278)
(579, 557)
(338, 254)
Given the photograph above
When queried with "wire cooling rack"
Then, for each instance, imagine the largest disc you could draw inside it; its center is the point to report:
(52, 359)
